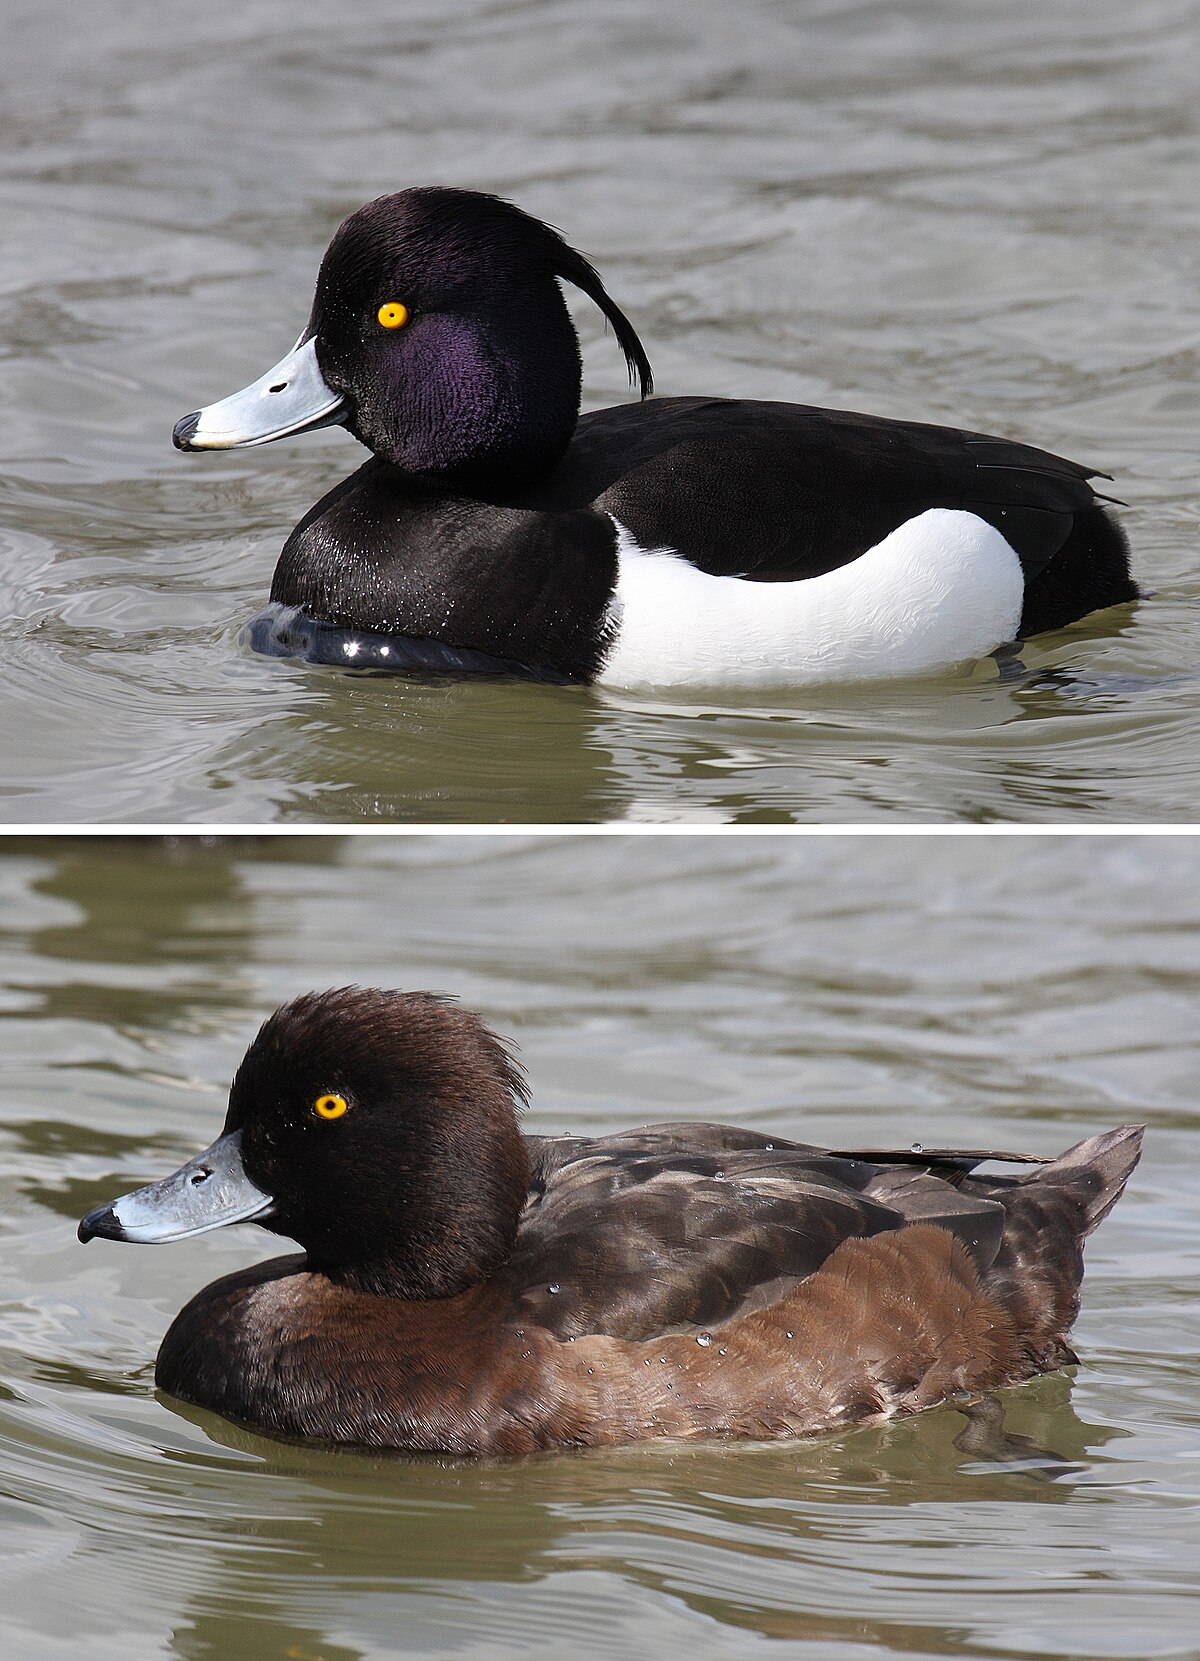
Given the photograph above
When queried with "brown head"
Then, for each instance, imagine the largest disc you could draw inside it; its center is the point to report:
(376, 1128)
(383, 1124)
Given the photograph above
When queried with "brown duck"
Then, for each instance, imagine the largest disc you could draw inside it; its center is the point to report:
(465, 1289)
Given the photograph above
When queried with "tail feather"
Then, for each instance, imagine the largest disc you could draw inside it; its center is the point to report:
(1101, 1165)
(1049, 1213)
(1089, 572)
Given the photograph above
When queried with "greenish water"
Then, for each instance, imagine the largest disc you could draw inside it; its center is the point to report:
(1022, 992)
(954, 213)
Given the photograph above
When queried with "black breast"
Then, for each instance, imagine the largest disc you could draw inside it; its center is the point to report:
(383, 555)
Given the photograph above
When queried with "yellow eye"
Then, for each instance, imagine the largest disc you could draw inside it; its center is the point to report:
(393, 315)
(330, 1107)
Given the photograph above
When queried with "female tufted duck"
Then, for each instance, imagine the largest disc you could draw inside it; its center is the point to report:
(468, 1290)
(688, 540)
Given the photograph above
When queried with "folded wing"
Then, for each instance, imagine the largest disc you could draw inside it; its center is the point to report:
(686, 1226)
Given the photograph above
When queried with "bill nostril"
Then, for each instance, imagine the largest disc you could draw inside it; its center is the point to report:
(197, 1177)
(280, 386)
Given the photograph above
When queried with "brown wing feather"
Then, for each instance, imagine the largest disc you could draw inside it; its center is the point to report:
(684, 1226)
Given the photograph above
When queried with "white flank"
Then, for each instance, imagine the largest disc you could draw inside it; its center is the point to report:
(943, 588)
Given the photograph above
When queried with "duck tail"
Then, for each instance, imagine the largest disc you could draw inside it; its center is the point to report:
(1089, 572)
(1098, 1170)
(1049, 1215)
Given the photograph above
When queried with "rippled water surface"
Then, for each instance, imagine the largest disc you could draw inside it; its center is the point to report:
(1021, 993)
(984, 215)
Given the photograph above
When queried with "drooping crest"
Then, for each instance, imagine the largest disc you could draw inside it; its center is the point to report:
(566, 262)
(448, 236)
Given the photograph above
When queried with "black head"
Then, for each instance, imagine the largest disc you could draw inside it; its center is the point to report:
(383, 1125)
(439, 318)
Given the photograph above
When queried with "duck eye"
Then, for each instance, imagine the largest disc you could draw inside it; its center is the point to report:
(393, 315)
(330, 1107)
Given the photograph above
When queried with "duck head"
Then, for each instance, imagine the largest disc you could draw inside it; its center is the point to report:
(376, 1128)
(440, 338)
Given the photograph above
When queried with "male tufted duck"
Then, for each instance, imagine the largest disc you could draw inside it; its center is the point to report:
(684, 541)
(465, 1289)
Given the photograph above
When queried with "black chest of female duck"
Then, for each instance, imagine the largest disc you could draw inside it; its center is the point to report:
(684, 540)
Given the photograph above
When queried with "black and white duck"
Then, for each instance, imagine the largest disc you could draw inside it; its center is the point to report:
(674, 542)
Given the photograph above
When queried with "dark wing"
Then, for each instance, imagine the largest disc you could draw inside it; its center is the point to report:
(685, 1226)
(776, 491)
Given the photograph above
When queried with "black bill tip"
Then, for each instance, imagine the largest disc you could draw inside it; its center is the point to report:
(101, 1224)
(185, 430)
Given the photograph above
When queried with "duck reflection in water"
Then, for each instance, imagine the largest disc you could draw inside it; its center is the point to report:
(795, 1512)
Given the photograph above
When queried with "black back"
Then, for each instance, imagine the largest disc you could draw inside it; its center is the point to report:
(776, 492)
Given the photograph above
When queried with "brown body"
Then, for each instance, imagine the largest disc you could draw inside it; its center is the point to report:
(685, 1280)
